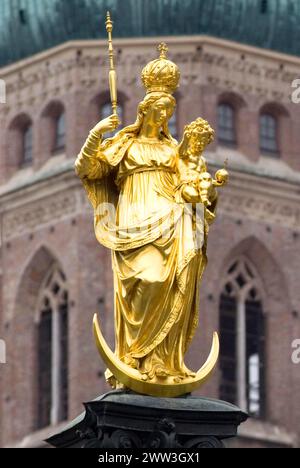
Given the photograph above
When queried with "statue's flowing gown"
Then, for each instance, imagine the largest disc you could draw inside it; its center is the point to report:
(158, 256)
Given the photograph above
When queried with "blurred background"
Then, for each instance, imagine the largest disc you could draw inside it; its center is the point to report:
(240, 65)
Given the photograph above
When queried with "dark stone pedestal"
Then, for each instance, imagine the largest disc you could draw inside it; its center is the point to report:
(127, 420)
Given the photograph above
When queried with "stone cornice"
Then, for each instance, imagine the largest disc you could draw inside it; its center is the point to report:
(256, 71)
(247, 197)
(15, 189)
(16, 194)
(41, 204)
(101, 45)
(266, 432)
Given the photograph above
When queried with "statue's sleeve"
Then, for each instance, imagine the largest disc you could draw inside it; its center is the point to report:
(89, 164)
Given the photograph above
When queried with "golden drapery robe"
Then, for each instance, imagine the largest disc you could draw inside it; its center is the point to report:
(158, 248)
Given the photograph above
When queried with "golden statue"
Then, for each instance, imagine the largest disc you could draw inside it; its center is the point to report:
(154, 201)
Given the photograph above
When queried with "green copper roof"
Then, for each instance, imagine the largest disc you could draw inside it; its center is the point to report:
(30, 26)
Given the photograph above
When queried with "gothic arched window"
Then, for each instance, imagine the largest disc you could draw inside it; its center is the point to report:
(53, 351)
(106, 111)
(242, 332)
(226, 124)
(269, 134)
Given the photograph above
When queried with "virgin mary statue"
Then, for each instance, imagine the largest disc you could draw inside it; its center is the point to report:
(157, 238)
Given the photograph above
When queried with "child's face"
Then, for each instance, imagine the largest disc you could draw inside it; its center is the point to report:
(198, 141)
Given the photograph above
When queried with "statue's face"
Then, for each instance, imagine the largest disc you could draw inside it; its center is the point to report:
(160, 112)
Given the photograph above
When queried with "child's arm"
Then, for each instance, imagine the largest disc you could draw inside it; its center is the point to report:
(202, 166)
(191, 194)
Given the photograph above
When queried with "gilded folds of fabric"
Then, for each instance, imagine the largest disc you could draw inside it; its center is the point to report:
(158, 248)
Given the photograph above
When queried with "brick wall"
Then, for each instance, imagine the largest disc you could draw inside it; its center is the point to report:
(47, 219)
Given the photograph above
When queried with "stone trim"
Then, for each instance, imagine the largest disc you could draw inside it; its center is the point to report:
(267, 433)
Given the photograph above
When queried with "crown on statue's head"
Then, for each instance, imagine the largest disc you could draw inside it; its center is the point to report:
(161, 74)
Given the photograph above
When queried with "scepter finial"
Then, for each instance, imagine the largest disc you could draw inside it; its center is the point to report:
(112, 72)
(109, 23)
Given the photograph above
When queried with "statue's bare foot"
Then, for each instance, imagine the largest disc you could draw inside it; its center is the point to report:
(131, 362)
(188, 373)
(161, 372)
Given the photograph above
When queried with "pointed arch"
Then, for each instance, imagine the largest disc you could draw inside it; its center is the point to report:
(52, 349)
(252, 287)
(42, 300)
(273, 281)
(32, 278)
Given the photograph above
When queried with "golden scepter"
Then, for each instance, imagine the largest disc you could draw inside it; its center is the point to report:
(112, 72)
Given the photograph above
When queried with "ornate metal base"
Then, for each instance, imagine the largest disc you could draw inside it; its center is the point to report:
(125, 420)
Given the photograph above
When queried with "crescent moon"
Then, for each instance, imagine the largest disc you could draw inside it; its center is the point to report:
(133, 380)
